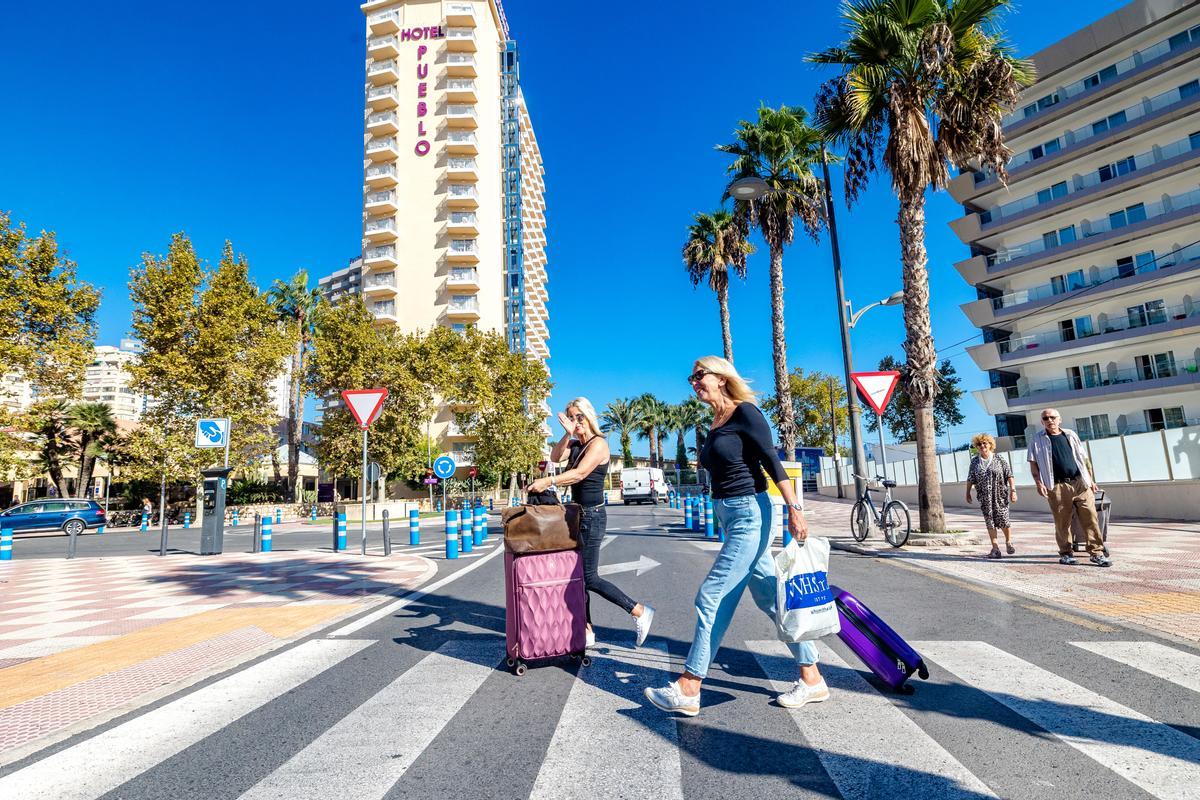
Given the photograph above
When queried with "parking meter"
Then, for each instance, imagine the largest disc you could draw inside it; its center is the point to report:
(213, 534)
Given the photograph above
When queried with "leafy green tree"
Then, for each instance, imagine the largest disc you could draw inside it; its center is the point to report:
(900, 416)
(47, 422)
(94, 428)
(923, 84)
(650, 411)
(621, 417)
(811, 407)
(298, 306)
(716, 244)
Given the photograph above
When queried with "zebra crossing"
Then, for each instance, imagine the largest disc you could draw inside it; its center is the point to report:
(608, 742)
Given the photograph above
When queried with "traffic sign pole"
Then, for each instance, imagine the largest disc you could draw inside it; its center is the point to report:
(364, 494)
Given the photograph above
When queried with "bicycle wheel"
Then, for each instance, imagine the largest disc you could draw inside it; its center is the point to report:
(860, 521)
(896, 524)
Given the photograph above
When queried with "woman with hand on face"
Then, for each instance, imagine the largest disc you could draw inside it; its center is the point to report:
(992, 477)
(587, 464)
(736, 453)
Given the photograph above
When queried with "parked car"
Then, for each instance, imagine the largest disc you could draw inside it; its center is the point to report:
(72, 516)
(643, 485)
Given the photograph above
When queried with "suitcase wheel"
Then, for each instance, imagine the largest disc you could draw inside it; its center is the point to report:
(520, 668)
(586, 661)
(511, 662)
(923, 671)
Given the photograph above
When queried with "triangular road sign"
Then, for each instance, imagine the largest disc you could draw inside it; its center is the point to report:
(876, 387)
(365, 404)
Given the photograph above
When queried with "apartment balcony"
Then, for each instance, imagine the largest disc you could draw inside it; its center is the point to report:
(463, 223)
(463, 308)
(383, 123)
(462, 195)
(383, 72)
(461, 116)
(460, 15)
(381, 284)
(462, 169)
(381, 256)
(460, 40)
(383, 149)
(380, 230)
(461, 65)
(384, 311)
(455, 431)
(380, 176)
(382, 22)
(463, 458)
(462, 143)
(380, 47)
(381, 97)
(384, 202)
(463, 279)
(463, 251)
(1130, 382)
(461, 90)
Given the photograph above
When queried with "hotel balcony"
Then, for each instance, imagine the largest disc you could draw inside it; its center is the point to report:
(463, 279)
(380, 230)
(463, 458)
(460, 40)
(383, 72)
(381, 97)
(384, 149)
(380, 284)
(380, 47)
(463, 308)
(462, 195)
(461, 65)
(384, 311)
(460, 15)
(383, 202)
(382, 22)
(461, 142)
(1140, 381)
(463, 222)
(461, 90)
(381, 256)
(462, 169)
(379, 176)
(463, 251)
(455, 431)
(382, 123)
(461, 116)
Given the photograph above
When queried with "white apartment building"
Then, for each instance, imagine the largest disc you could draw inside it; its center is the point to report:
(106, 380)
(1087, 264)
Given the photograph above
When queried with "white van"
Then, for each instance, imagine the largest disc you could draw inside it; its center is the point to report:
(643, 485)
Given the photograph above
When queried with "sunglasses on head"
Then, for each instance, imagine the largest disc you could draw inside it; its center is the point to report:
(698, 375)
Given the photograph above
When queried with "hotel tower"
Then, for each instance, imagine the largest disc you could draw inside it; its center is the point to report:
(453, 194)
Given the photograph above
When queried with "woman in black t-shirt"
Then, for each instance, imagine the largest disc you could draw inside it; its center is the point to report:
(587, 464)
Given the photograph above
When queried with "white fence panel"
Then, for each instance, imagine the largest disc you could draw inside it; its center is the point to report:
(1019, 461)
(946, 469)
(962, 463)
(1147, 457)
(1183, 447)
(1108, 460)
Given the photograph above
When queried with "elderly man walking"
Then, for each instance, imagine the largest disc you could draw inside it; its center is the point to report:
(1060, 470)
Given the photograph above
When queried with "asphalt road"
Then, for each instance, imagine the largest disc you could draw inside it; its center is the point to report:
(1023, 701)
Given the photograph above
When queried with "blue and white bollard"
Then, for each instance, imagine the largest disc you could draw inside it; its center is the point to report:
(697, 516)
(414, 527)
(312, 514)
(278, 516)
(266, 534)
(491, 504)
(786, 534)
(687, 514)
(341, 531)
(187, 520)
(480, 526)
(235, 517)
(466, 530)
(145, 522)
(5, 543)
(439, 506)
(708, 518)
(451, 533)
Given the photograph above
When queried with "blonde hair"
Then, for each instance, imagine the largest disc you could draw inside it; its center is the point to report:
(589, 412)
(735, 385)
(980, 438)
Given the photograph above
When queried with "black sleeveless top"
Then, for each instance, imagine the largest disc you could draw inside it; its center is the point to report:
(589, 491)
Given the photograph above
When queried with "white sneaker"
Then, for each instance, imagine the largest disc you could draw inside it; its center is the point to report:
(671, 700)
(589, 638)
(643, 623)
(802, 694)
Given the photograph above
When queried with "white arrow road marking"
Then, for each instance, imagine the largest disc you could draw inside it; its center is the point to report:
(643, 564)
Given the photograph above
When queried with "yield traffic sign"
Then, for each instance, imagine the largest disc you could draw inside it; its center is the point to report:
(876, 387)
(365, 404)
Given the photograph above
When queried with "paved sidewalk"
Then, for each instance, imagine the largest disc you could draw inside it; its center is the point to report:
(82, 641)
(1154, 580)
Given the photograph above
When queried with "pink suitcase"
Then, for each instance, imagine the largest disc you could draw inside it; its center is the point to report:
(545, 611)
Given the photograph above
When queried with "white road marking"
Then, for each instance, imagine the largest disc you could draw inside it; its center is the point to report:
(100, 764)
(1141, 750)
(368, 750)
(606, 705)
(643, 564)
(1176, 666)
(869, 747)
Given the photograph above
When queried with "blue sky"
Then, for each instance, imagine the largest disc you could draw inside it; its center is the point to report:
(126, 122)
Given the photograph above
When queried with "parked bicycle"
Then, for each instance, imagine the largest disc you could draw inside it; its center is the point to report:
(892, 517)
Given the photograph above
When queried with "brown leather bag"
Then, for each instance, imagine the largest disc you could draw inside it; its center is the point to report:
(541, 528)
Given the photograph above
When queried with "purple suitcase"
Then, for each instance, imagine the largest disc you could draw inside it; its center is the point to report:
(545, 609)
(880, 648)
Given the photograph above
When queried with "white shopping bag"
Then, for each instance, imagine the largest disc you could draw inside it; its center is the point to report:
(804, 607)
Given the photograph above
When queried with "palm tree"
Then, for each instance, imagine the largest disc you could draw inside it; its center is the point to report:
(298, 305)
(923, 83)
(693, 417)
(650, 413)
(47, 421)
(781, 149)
(94, 428)
(619, 416)
(715, 244)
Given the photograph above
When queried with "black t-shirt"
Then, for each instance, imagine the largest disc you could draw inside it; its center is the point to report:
(737, 453)
(1065, 468)
(590, 490)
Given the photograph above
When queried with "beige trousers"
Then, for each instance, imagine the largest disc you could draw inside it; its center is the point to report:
(1071, 498)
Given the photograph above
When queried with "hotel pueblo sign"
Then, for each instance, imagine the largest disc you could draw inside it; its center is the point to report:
(415, 35)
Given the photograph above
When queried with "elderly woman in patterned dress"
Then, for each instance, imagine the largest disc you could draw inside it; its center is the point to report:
(991, 475)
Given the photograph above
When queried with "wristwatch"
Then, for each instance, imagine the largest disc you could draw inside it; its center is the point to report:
(796, 506)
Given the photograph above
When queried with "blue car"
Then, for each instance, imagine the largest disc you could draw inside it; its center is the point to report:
(71, 516)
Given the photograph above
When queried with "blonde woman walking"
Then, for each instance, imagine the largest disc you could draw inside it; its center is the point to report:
(991, 475)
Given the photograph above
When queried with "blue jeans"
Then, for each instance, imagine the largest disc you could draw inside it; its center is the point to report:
(745, 559)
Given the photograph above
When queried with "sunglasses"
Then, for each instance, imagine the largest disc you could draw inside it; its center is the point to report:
(577, 418)
(1047, 419)
(698, 375)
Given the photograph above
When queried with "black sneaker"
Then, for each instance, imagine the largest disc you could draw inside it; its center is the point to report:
(1069, 560)
(1101, 561)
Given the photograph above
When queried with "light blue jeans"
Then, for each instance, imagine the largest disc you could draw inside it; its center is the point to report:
(745, 559)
